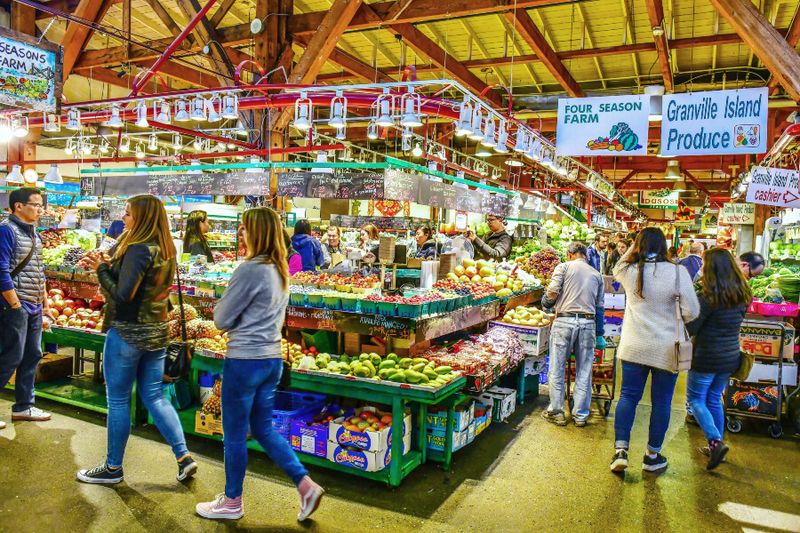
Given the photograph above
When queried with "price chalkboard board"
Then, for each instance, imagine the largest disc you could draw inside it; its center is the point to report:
(400, 186)
(494, 204)
(360, 186)
(293, 184)
(238, 183)
(437, 194)
(467, 200)
(114, 185)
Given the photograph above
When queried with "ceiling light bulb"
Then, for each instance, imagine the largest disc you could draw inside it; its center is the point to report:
(181, 112)
(302, 112)
(338, 111)
(141, 115)
(114, 121)
(230, 107)
(372, 131)
(125, 144)
(176, 141)
(152, 143)
(53, 175)
(139, 151)
(30, 176)
(417, 150)
(19, 127)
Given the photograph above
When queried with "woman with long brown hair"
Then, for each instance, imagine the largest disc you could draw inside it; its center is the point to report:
(194, 238)
(252, 311)
(136, 282)
(724, 297)
(647, 343)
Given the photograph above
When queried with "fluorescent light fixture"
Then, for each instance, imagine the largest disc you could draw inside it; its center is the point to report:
(141, 115)
(198, 113)
(302, 112)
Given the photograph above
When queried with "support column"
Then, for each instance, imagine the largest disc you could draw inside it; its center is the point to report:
(23, 20)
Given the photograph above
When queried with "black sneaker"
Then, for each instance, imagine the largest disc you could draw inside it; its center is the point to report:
(186, 468)
(102, 475)
(718, 452)
(620, 461)
(655, 465)
(555, 418)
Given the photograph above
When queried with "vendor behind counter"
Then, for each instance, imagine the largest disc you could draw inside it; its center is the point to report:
(496, 245)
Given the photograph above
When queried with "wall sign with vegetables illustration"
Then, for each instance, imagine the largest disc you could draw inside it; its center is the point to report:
(30, 73)
(621, 138)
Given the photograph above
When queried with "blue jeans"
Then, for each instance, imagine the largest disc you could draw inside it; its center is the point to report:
(704, 392)
(122, 365)
(568, 336)
(662, 386)
(248, 396)
(20, 351)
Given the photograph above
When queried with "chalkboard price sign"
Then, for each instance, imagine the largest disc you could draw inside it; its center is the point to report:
(293, 184)
(400, 186)
(238, 183)
(467, 200)
(437, 194)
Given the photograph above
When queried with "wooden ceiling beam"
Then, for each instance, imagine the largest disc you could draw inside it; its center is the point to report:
(792, 37)
(424, 46)
(220, 13)
(319, 49)
(353, 66)
(77, 35)
(416, 11)
(771, 48)
(528, 30)
(655, 12)
(164, 16)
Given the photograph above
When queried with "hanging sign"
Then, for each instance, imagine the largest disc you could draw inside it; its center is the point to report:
(234, 183)
(738, 214)
(437, 194)
(30, 73)
(293, 184)
(400, 185)
(663, 199)
(774, 186)
(603, 125)
(715, 122)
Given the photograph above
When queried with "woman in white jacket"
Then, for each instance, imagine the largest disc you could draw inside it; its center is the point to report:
(647, 344)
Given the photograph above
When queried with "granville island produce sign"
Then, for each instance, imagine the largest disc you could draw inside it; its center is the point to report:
(715, 122)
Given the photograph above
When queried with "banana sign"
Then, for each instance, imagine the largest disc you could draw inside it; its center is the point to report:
(613, 125)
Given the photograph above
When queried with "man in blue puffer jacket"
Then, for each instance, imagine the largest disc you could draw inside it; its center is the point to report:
(308, 247)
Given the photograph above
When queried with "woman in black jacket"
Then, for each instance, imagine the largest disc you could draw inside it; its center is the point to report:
(724, 297)
(194, 239)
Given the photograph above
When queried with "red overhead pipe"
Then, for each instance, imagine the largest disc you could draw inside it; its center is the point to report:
(202, 134)
(210, 155)
(163, 58)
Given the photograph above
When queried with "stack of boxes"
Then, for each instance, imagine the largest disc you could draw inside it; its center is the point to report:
(369, 450)
(614, 308)
(471, 419)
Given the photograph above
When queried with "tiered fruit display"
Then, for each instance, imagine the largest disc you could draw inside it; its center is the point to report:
(292, 352)
(75, 313)
(527, 316)
(393, 368)
(213, 405)
(541, 264)
(503, 279)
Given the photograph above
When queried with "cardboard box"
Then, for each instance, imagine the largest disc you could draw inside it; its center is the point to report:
(207, 424)
(614, 301)
(535, 365)
(437, 416)
(436, 440)
(362, 459)
(763, 340)
(367, 440)
(535, 341)
(769, 372)
(612, 330)
(752, 397)
(51, 367)
(504, 402)
(611, 286)
(309, 438)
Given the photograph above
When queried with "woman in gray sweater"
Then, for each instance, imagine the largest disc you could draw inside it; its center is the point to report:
(252, 311)
(647, 343)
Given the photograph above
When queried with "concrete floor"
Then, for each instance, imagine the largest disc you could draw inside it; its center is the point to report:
(523, 475)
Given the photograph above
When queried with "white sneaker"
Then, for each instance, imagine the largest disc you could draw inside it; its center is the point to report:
(33, 414)
(2, 425)
(310, 496)
(221, 507)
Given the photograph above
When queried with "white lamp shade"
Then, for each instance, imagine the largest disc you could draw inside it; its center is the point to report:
(53, 175)
(15, 176)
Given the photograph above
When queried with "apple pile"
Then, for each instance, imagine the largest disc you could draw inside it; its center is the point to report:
(503, 282)
(75, 313)
(527, 316)
(368, 421)
(294, 352)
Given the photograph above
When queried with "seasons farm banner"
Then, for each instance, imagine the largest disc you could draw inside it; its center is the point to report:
(30, 73)
(715, 122)
(598, 126)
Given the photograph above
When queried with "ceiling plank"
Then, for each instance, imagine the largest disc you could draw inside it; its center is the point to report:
(510, 33)
(770, 47)
(655, 12)
(358, 68)
(398, 9)
(319, 49)
(205, 34)
(424, 46)
(77, 35)
(479, 43)
(793, 37)
(220, 13)
(164, 17)
(533, 36)
(586, 29)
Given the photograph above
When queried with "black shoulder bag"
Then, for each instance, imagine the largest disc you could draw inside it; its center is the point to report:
(178, 354)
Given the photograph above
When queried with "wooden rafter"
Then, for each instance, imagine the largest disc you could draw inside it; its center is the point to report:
(588, 31)
(398, 9)
(206, 34)
(528, 30)
(319, 49)
(424, 46)
(655, 12)
(631, 37)
(164, 17)
(510, 33)
(793, 37)
(220, 13)
(482, 48)
(381, 48)
(353, 65)
(771, 48)
(77, 35)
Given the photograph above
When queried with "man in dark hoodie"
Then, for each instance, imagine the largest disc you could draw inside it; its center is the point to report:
(308, 247)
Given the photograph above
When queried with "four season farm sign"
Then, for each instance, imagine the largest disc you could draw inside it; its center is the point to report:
(30, 73)
(602, 125)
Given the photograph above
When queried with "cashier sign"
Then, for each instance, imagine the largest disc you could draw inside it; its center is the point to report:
(774, 186)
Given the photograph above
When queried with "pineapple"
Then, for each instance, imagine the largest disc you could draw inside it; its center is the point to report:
(189, 312)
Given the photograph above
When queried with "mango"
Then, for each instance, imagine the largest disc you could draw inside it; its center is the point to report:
(389, 363)
(393, 356)
(441, 370)
(413, 377)
(405, 362)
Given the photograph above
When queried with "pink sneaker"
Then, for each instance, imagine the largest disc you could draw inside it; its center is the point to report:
(310, 496)
(2, 425)
(221, 507)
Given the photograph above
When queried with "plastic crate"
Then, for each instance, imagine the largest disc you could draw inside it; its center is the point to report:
(315, 300)
(297, 298)
(386, 308)
(332, 302)
(408, 310)
(290, 405)
(349, 304)
(770, 309)
(369, 307)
